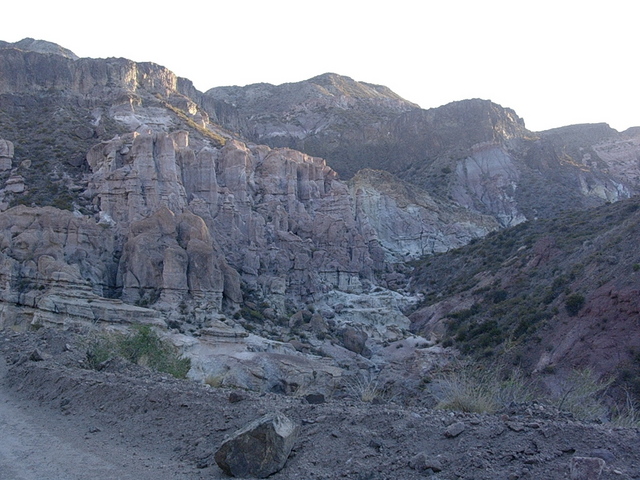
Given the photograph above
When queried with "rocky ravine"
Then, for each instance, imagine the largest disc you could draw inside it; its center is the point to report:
(123, 201)
(157, 215)
(157, 427)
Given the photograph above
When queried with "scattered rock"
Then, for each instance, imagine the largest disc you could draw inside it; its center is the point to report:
(454, 430)
(586, 468)
(296, 320)
(259, 449)
(423, 461)
(83, 131)
(298, 345)
(318, 324)
(315, 398)
(235, 397)
(604, 454)
(36, 356)
(375, 444)
(515, 426)
(15, 184)
(354, 339)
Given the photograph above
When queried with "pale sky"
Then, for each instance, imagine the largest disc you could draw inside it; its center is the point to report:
(555, 62)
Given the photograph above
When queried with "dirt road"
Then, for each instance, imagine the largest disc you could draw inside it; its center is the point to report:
(42, 444)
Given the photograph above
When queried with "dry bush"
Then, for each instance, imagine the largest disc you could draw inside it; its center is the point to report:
(480, 389)
(627, 415)
(365, 387)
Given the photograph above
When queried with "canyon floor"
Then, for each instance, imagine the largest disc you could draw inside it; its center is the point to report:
(62, 421)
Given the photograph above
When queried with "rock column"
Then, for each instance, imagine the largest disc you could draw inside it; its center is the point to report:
(6, 155)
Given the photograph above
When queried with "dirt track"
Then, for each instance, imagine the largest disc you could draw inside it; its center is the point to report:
(43, 444)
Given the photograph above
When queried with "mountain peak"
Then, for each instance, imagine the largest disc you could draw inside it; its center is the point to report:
(40, 46)
(343, 85)
(327, 86)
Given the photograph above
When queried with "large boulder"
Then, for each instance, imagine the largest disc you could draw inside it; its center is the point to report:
(355, 340)
(259, 449)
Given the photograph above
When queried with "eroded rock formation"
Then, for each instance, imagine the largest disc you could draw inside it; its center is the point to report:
(6, 154)
(127, 195)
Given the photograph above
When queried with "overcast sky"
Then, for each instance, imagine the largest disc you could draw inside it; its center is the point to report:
(555, 62)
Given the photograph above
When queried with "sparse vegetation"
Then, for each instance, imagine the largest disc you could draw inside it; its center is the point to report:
(217, 139)
(581, 394)
(142, 346)
(480, 389)
(477, 388)
(512, 289)
(51, 139)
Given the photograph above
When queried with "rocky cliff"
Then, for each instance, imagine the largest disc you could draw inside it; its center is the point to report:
(180, 195)
(408, 221)
(122, 199)
(123, 202)
(474, 152)
(330, 116)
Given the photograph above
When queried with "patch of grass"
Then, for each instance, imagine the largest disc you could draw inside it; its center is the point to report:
(627, 415)
(581, 394)
(476, 388)
(143, 347)
(251, 314)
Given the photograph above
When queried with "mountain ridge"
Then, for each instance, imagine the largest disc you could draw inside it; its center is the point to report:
(474, 152)
(549, 295)
(127, 192)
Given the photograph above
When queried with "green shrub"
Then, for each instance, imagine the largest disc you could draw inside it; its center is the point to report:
(100, 348)
(498, 296)
(574, 303)
(143, 347)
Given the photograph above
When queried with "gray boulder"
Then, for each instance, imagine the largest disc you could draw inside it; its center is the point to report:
(259, 449)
